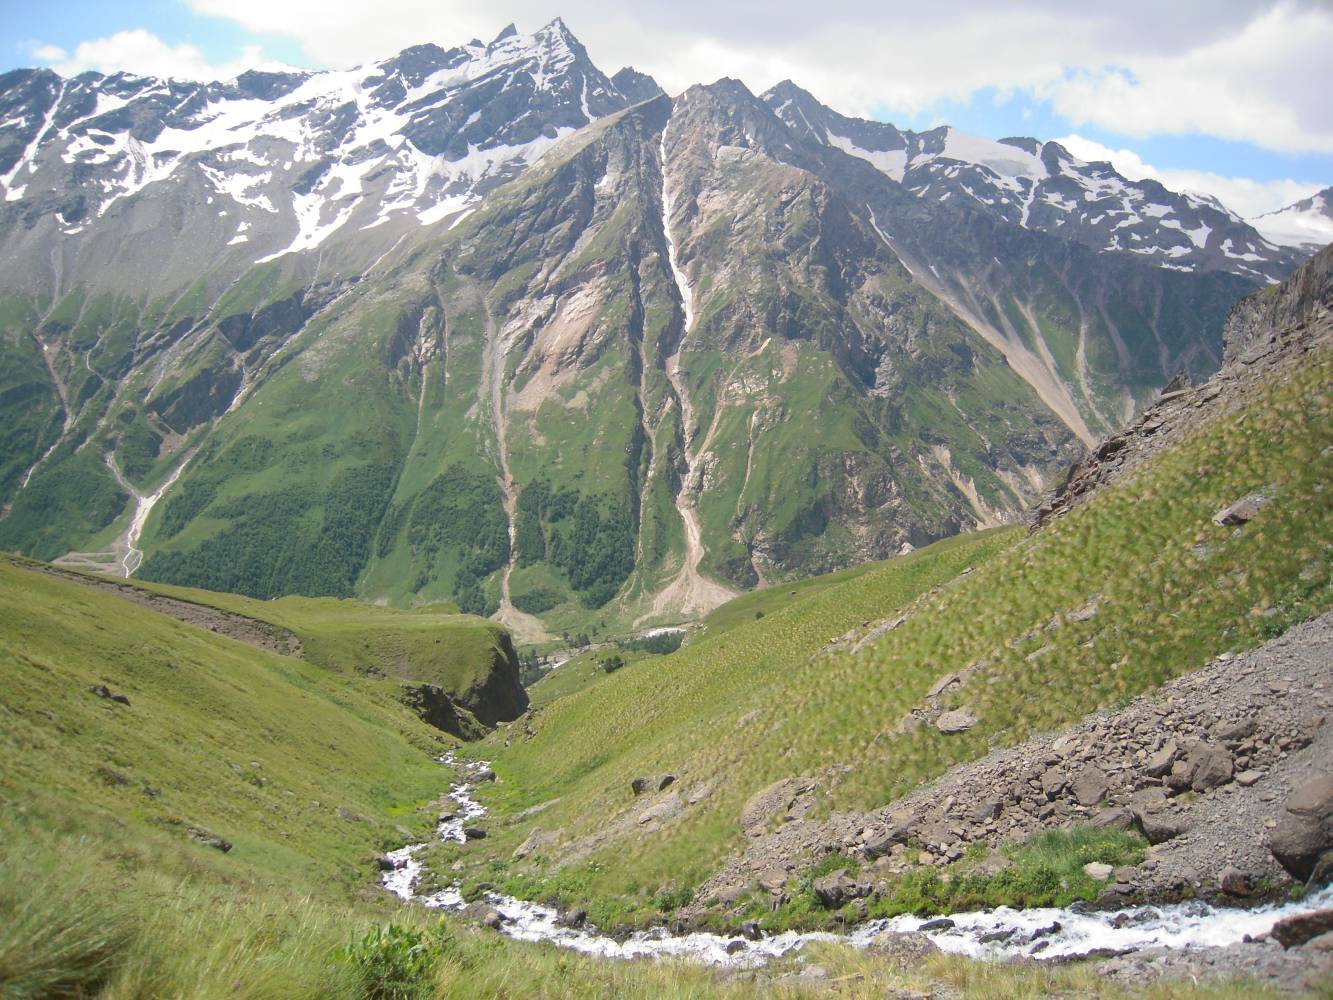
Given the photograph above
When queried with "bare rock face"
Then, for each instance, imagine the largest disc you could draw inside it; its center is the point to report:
(1305, 829)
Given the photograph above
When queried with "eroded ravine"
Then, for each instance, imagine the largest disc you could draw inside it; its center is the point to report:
(526, 628)
(690, 592)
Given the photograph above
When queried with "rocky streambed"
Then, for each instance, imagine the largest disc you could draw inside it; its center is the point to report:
(1003, 933)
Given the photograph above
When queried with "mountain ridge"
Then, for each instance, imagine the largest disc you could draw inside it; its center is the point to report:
(681, 349)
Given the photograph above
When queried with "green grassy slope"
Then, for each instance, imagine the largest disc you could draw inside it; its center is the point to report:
(758, 703)
(104, 894)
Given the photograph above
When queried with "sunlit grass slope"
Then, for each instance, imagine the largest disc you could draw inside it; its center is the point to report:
(434, 643)
(760, 702)
(103, 893)
(259, 749)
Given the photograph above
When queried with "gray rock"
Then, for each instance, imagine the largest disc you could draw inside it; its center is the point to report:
(833, 890)
(1210, 767)
(1297, 930)
(343, 813)
(1098, 870)
(986, 809)
(1233, 731)
(938, 924)
(906, 950)
(1114, 818)
(960, 720)
(474, 833)
(1248, 777)
(750, 930)
(1234, 882)
(1159, 827)
(656, 783)
(1090, 787)
(1304, 831)
(1160, 763)
(1242, 511)
(208, 839)
(484, 914)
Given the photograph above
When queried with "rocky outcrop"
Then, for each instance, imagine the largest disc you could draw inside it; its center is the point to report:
(433, 704)
(499, 695)
(1169, 766)
(1265, 332)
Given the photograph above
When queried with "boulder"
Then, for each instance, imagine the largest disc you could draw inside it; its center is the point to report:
(474, 833)
(1210, 767)
(655, 783)
(986, 809)
(960, 720)
(208, 839)
(575, 917)
(1114, 818)
(1249, 777)
(1159, 827)
(1090, 787)
(1297, 930)
(1233, 730)
(1243, 510)
(1160, 762)
(1304, 831)
(1098, 870)
(750, 930)
(938, 924)
(904, 949)
(834, 890)
(665, 808)
(484, 914)
(102, 691)
(483, 775)
(772, 879)
(1234, 882)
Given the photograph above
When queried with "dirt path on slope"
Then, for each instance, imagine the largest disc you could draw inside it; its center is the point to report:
(252, 631)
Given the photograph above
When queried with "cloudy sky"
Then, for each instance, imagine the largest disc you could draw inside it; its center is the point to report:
(1230, 97)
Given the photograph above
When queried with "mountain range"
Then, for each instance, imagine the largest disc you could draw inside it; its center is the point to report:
(486, 324)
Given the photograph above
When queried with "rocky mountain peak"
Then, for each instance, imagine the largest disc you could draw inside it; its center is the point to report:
(1043, 187)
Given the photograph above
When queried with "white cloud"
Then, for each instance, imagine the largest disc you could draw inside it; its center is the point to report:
(1255, 72)
(47, 53)
(1268, 85)
(142, 52)
(1243, 195)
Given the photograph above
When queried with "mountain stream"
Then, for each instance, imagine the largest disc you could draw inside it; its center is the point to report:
(993, 934)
